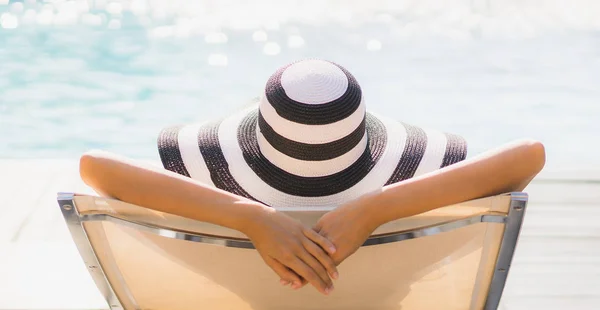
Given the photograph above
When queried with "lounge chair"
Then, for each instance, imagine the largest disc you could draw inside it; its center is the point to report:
(455, 257)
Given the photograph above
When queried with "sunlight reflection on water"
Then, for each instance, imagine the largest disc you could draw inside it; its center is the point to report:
(109, 74)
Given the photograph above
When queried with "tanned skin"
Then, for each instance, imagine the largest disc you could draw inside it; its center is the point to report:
(300, 254)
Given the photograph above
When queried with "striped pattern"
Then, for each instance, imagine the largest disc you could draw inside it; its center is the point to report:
(187, 140)
(310, 186)
(208, 142)
(310, 143)
(255, 186)
(434, 152)
(456, 150)
(310, 168)
(313, 114)
(412, 164)
(306, 151)
(407, 152)
(325, 100)
(416, 141)
(311, 134)
(168, 149)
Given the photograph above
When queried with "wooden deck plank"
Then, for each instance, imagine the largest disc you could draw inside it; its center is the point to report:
(571, 173)
(551, 284)
(47, 223)
(579, 302)
(21, 187)
(557, 250)
(562, 221)
(568, 194)
(46, 276)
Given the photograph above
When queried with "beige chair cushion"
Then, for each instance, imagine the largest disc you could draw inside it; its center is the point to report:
(450, 270)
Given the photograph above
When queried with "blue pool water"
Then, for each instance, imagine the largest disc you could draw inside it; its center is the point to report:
(76, 75)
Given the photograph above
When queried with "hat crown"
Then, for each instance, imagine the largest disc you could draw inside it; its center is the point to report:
(312, 112)
(313, 82)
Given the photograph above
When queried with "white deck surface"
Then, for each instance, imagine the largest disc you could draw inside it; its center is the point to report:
(557, 263)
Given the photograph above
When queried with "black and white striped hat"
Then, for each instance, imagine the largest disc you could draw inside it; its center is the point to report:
(309, 143)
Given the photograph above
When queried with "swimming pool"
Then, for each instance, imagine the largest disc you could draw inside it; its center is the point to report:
(76, 75)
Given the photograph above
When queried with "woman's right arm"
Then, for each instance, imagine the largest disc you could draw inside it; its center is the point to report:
(282, 242)
(158, 189)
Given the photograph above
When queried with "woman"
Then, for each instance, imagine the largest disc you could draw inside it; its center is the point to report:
(310, 144)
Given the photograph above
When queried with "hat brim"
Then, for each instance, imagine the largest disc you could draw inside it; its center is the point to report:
(226, 155)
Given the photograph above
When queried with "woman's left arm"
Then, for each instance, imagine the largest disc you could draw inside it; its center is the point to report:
(507, 169)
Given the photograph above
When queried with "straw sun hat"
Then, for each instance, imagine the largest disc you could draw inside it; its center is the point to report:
(308, 144)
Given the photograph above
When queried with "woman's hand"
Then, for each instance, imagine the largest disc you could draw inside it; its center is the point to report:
(295, 252)
(347, 227)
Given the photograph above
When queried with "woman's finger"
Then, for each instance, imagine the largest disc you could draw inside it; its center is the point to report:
(313, 263)
(305, 255)
(320, 240)
(309, 274)
(286, 275)
(322, 257)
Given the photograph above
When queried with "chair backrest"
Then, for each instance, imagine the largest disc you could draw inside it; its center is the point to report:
(456, 257)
